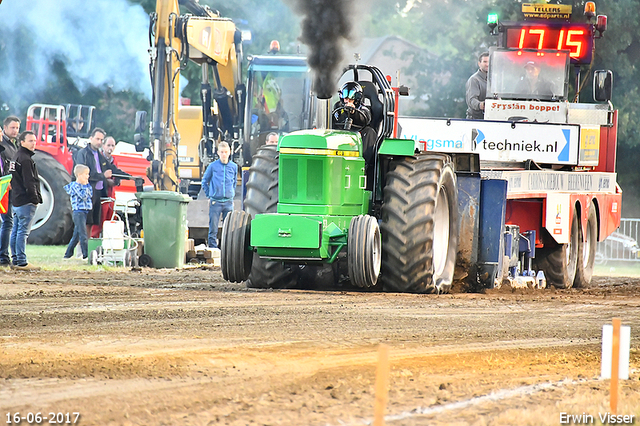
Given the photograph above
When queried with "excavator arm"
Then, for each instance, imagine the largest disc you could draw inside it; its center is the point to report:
(182, 138)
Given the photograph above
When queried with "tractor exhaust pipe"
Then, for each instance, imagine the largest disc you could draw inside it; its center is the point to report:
(323, 113)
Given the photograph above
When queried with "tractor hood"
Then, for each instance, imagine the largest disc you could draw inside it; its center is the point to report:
(322, 139)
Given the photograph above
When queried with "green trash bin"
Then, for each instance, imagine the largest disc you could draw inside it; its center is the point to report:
(164, 223)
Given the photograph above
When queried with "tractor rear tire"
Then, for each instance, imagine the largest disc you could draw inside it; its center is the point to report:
(560, 263)
(364, 251)
(419, 225)
(262, 197)
(235, 257)
(587, 251)
(52, 224)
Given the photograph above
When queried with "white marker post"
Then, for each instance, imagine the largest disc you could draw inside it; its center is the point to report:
(616, 343)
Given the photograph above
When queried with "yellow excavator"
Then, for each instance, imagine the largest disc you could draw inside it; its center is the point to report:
(182, 138)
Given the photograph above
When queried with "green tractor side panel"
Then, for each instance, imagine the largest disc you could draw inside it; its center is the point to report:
(273, 230)
(323, 139)
(280, 236)
(398, 147)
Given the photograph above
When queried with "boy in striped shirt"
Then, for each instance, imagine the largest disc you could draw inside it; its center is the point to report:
(81, 203)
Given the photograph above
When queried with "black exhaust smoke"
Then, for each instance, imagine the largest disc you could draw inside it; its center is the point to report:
(326, 25)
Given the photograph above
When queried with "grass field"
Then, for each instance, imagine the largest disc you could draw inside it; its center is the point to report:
(50, 257)
(619, 269)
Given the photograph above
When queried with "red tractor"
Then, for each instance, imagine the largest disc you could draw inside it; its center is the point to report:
(60, 132)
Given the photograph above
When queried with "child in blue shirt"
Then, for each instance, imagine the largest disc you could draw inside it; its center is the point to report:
(219, 185)
(81, 203)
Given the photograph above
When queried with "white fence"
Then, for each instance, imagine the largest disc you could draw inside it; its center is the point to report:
(622, 245)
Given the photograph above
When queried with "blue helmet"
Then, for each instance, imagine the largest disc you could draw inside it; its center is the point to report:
(351, 90)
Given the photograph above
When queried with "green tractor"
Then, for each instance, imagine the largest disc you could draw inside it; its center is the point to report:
(311, 215)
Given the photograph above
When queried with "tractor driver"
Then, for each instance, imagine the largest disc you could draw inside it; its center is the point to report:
(350, 114)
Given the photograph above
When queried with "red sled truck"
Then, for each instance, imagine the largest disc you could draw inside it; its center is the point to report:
(547, 159)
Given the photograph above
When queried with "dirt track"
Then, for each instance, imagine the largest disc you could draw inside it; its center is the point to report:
(185, 348)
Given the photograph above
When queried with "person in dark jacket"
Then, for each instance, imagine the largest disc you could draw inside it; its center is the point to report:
(219, 185)
(8, 144)
(349, 113)
(108, 146)
(99, 171)
(25, 198)
(5, 260)
(11, 128)
(4, 160)
(532, 85)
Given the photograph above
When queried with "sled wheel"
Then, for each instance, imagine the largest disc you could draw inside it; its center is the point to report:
(235, 256)
(559, 263)
(587, 251)
(364, 251)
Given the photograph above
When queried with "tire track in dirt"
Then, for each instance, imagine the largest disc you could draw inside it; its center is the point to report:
(299, 362)
(183, 348)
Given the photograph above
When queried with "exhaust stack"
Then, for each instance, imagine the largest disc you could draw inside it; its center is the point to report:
(323, 113)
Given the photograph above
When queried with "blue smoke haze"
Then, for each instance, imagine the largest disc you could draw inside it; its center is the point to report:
(101, 42)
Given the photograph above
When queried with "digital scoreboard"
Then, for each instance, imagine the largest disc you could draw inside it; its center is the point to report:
(576, 38)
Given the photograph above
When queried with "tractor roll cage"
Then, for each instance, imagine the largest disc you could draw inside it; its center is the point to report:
(382, 112)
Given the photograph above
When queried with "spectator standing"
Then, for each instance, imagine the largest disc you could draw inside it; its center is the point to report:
(26, 197)
(99, 171)
(272, 138)
(81, 203)
(477, 89)
(219, 185)
(108, 146)
(5, 260)
(9, 148)
(10, 130)
(4, 160)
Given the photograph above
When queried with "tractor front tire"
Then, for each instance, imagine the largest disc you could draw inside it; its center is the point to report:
(235, 256)
(419, 225)
(262, 197)
(587, 251)
(52, 223)
(364, 251)
(559, 263)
